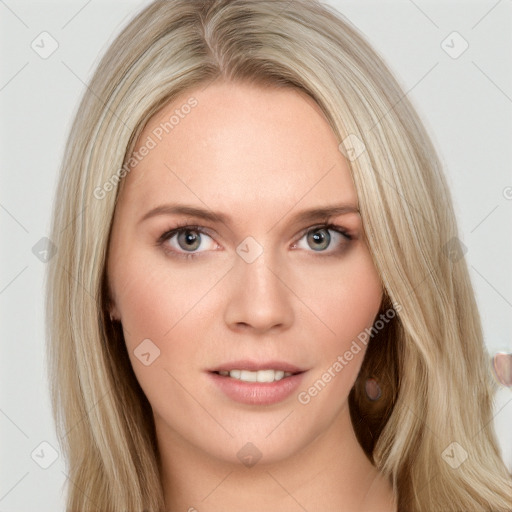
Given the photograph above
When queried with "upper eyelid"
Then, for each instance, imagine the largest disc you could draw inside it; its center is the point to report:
(169, 233)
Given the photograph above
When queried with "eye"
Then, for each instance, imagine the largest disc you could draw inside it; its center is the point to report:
(185, 241)
(320, 238)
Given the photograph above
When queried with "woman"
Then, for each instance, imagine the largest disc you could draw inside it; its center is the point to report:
(259, 300)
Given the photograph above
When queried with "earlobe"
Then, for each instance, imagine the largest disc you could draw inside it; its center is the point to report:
(112, 310)
(114, 314)
(110, 304)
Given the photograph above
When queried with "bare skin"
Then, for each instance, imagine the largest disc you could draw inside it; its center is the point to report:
(260, 156)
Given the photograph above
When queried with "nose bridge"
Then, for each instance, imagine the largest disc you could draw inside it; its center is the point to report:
(259, 297)
(258, 272)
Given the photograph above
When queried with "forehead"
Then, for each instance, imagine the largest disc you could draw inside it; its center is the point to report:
(240, 145)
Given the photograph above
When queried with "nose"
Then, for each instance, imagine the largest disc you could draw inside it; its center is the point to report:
(259, 298)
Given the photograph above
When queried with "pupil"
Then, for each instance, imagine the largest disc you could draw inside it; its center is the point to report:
(191, 239)
(321, 236)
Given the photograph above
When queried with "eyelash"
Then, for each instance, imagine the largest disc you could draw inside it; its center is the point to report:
(182, 227)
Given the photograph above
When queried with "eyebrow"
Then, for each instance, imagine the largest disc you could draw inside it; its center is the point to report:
(212, 216)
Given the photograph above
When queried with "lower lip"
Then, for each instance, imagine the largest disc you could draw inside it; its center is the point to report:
(257, 393)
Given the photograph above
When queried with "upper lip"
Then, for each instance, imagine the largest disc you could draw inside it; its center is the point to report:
(254, 366)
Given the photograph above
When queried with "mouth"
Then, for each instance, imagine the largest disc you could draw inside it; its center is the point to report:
(253, 371)
(256, 383)
(261, 376)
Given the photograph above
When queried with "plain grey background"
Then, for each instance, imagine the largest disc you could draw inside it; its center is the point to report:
(464, 96)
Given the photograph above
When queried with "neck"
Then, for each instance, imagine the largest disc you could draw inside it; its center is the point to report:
(331, 473)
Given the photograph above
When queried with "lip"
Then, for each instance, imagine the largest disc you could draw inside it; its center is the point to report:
(254, 366)
(257, 393)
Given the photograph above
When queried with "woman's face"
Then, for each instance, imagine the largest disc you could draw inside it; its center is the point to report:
(255, 283)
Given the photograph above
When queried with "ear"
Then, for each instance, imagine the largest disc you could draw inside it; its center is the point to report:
(114, 314)
(110, 303)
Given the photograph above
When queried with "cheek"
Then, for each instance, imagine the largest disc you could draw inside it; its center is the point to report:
(362, 297)
(347, 305)
(143, 302)
(162, 310)
(345, 298)
(153, 295)
(155, 305)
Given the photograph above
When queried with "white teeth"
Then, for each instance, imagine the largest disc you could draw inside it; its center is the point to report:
(259, 376)
(266, 376)
(248, 376)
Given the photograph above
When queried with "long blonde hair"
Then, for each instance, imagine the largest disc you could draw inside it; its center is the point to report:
(431, 433)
